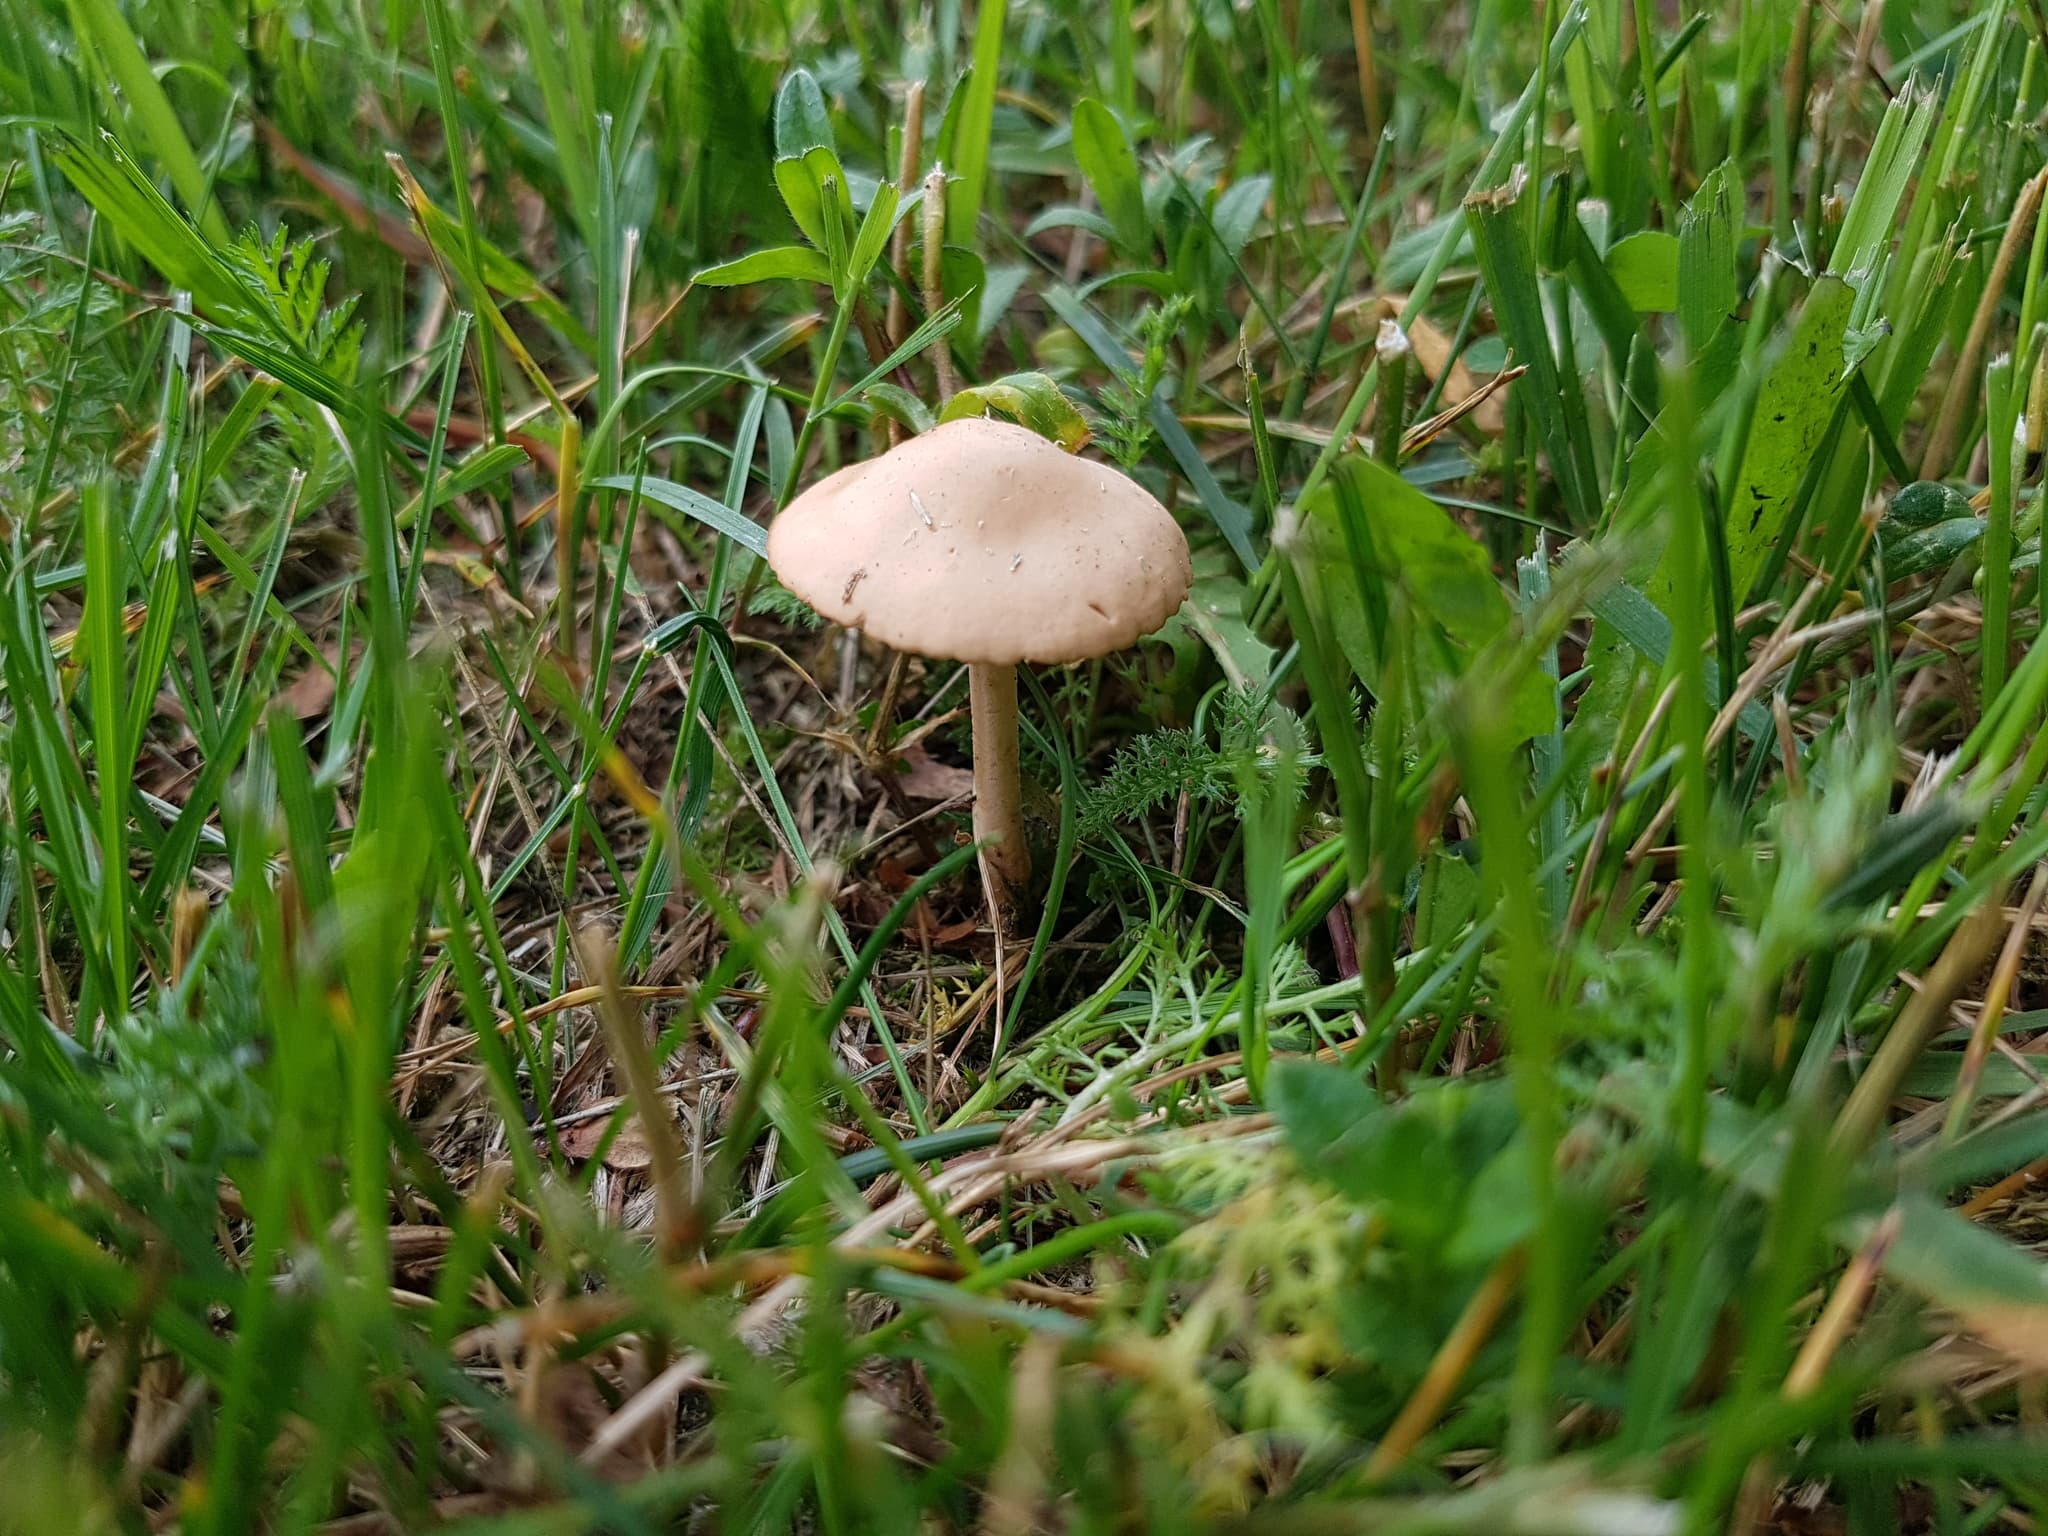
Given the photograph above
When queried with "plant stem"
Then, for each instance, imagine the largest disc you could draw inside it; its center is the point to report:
(935, 277)
(998, 811)
(828, 364)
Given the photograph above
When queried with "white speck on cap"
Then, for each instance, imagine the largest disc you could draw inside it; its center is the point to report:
(1051, 606)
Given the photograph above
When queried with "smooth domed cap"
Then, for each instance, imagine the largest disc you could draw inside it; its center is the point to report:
(981, 541)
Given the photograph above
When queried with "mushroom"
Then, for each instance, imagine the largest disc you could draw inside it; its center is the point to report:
(982, 542)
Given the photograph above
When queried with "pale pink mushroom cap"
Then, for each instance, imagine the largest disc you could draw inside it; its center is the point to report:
(983, 542)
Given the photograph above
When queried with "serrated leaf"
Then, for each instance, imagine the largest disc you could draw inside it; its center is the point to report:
(779, 263)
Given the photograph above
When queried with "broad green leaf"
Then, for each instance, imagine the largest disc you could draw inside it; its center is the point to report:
(802, 180)
(1070, 216)
(1706, 256)
(1215, 611)
(962, 274)
(1237, 211)
(874, 234)
(800, 197)
(1645, 269)
(1792, 410)
(971, 117)
(1414, 546)
(1031, 400)
(788, 263)
(1413, 1163)
(999, 289)
(801, 122)
(1909, 552)
(900, 406)
(1325, 1113)
(1104, 153)
(1924, 503)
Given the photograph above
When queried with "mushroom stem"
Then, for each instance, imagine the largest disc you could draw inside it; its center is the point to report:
(998, 806)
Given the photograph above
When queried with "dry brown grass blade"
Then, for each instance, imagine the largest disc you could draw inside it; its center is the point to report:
(1985, 1035)
(1829, 1332)
(679, 1224)
(1863, 1116)
(1453, 1358)
(1433, 353)
(1018, 1484)
(443, 1052)
(2011, 1187)
(348, 199)
(1368, 66)
(1481, 405)
(1419, 435)
(1963, 382)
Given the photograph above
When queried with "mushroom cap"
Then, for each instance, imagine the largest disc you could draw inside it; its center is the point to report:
(981, 541)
